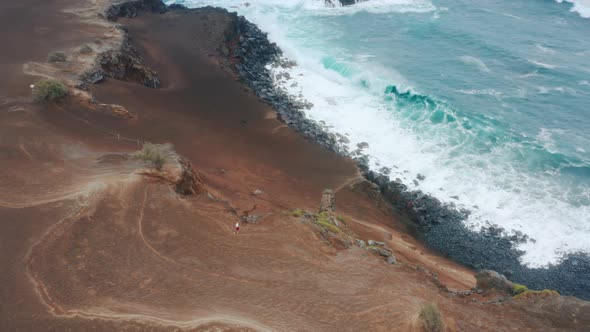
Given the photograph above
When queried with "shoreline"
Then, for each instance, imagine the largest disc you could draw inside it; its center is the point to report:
(94, 238)
(439, 225)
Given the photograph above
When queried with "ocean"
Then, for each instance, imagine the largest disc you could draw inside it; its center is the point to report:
(488, 100)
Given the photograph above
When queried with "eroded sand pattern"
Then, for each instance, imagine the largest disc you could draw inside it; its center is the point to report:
(92, 239)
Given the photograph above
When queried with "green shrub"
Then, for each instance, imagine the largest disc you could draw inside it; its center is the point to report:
(323, 215)
(518, 289)
(57, 56)
(431, 318)
(527, 294)
(341, 219)
(327, 224)
(297, 213)
(86, 49)
(323, 219)
(150, 153)
(48, 90)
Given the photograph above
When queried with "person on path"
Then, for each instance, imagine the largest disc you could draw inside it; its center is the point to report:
(237, 228)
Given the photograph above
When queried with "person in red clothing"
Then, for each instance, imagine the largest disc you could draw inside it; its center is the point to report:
(237, 228)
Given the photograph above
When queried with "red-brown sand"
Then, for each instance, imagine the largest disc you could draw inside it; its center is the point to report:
(94, 246)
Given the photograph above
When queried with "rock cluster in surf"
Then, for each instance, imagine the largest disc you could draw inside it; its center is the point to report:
(342, 2)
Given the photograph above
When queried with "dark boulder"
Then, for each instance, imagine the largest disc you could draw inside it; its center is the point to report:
(132, 8)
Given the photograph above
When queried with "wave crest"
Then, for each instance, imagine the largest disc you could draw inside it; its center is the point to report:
(582, 7)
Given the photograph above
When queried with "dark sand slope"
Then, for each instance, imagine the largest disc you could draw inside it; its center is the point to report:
(90, 243)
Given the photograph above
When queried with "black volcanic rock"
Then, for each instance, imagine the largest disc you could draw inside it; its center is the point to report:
(343, 2)
(131, 8)
(125, 64)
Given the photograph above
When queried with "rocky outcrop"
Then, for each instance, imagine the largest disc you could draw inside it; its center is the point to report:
(327, 204)
(174, 169)
(126, 64)
(380, 249)
(131, 8)
(491, 281)
(189, 182)
(335, 3)
(123, 62)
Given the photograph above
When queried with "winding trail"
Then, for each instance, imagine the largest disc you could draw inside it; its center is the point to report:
(38, 284)
(140, 229)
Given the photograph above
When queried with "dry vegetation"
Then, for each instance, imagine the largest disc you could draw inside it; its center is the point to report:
(152, 155)
(49, 90)
(86, 49)
(57, 56)
(431, 318)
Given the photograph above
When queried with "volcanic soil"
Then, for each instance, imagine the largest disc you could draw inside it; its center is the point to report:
(88, 242)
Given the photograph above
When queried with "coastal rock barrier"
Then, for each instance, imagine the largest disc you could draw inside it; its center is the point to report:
(253, 52)
(440, 225)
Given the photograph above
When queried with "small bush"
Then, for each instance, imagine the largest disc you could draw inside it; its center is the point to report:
(326, 224)
(86, 49)
(57, 56)
(150, 153)
(49, 90)
(518, 289)
(297, 213)
(527, 294)
(431, 318)
(323, 219)
(341, 219)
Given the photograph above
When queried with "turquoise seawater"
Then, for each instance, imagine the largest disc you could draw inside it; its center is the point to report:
(490, 100)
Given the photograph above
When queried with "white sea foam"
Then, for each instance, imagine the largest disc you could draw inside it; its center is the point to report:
(560, 89)
(547, 137)
(475, 61)
(319, 7)
(542, 64)
(531, 74)
(503, 14)
(380, 6)
(503, 195)
(544, 49)
(490, 186)
(488, 92)
(582, 7)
